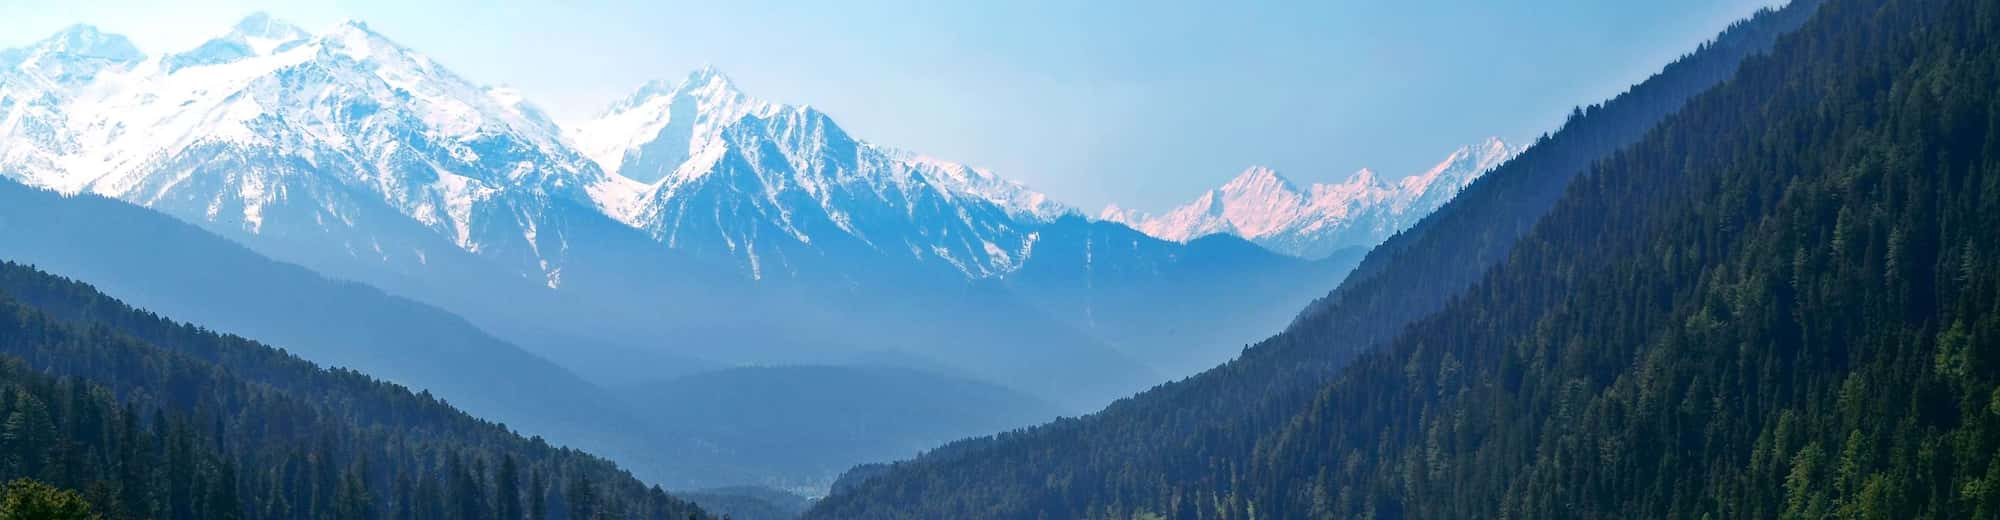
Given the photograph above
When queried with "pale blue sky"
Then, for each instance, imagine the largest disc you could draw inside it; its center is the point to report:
(1142, 103)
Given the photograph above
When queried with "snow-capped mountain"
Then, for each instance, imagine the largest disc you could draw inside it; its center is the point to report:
(38, 81)
(764, 233)
(1264, 207)
(648, 135)
(342, 135)
(688, 216)
(783, 189)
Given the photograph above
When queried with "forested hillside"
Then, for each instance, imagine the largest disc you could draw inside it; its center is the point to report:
(149, 418)
(1783, 303)
(1139, 450)
(152, 261)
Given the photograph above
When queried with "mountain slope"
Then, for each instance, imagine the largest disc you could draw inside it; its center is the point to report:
(784, 191)
(317, 133)
(1173, 436)
(1264, 207)
(1180, 307)
(1787, 312)
(649, 135)
(37, 81)
(155, 418)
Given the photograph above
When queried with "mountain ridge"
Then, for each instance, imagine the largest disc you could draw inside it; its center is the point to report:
(1263, 206)
(727, 231)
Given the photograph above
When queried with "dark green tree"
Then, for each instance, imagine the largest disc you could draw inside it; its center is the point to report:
(26, 499)
(28, 435)
(582, 498)
(507, 490)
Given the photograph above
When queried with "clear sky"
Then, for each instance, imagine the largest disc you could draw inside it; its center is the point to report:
(1144, 103)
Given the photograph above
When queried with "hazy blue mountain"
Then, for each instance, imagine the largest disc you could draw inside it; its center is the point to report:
(180, 271)
(1182, 307)
(749, 502)
(814, 422)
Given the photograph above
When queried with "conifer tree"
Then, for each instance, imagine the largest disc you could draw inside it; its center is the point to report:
(26, 499)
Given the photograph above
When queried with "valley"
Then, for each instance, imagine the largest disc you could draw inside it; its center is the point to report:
(290, 272)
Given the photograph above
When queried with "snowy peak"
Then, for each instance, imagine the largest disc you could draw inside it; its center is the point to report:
(86, 42)
(1465, 163)
(1258, 178)
(1361, 210)
(1257, 202)
(39, 81)
(323, 86)
(353, 39)
(1114, 213)
(1258, 182)
(271, 130)
(650, 134)
(72, 56)
(705, 82)
(257, 35)
(1435, 186)
(1363, 178)
(772, 186)
(671, 133)
(443, 103)
(1359, 185)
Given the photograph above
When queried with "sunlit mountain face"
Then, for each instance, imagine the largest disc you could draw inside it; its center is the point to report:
(1315, 221)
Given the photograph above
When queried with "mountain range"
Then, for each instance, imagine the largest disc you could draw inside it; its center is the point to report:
(1314, 221)
(687, 229)
(354, 156)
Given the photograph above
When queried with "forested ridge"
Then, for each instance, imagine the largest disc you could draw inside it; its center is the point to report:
(153, 261)
(1782, 303)
(1157, 447)
(148, 418)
